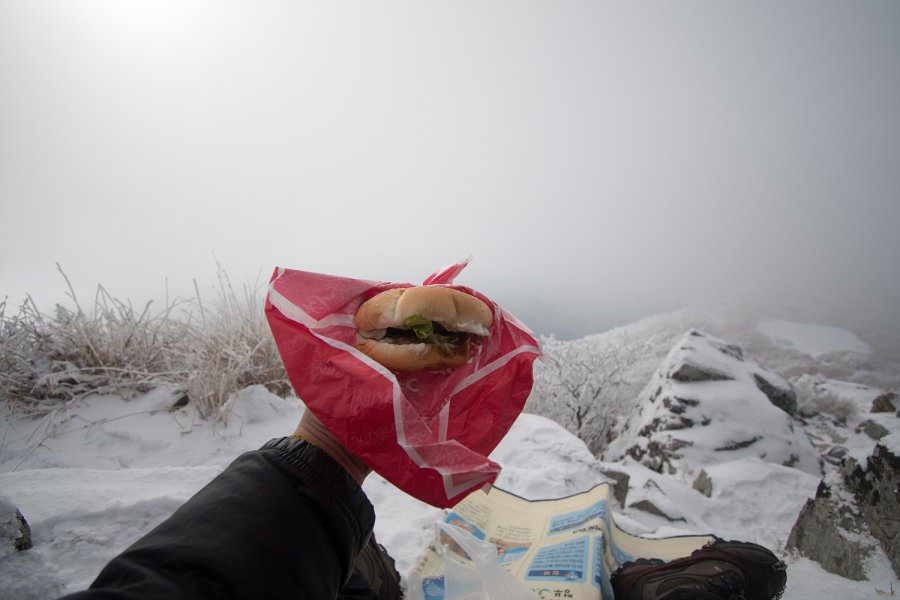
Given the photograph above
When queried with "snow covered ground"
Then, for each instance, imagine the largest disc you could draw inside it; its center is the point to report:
(92, 481)
(812, 339)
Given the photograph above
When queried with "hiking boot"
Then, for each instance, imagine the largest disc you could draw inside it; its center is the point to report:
(724, 570)
(377, 567)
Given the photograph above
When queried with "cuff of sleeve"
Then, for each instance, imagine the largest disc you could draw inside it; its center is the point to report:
(318, 469)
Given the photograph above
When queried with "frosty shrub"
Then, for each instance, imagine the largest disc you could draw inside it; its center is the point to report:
(814, 397)
(113, 348)
(229, 349)
(206, 355)
(585, 386)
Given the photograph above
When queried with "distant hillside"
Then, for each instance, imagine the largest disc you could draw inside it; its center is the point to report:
(711, 408)
(591, 385)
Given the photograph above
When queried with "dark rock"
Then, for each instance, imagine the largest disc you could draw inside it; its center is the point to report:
(703, 484)
(731, 446)
(825, 532)
(659, 455)
(679, 405)
(15, 534)
(23, 542)
(181, 402)
(681, 423)
(620, 488)
(872, 429)
(648, 507)
(674, 408)
(835, 455)
(835, 531)
(885, 403)
(783, 398)
(688, 372)
(732, 350)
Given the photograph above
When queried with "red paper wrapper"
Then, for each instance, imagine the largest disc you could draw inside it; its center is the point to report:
(428, 433)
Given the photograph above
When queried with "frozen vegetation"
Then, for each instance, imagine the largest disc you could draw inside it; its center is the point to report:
(205, 353)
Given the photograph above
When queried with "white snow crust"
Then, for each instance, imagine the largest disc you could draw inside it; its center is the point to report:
(101, 479)
(812, 339)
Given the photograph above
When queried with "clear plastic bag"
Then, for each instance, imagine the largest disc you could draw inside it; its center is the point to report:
(479, 578)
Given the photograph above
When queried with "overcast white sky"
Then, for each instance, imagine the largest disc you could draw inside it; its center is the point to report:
(612, 159)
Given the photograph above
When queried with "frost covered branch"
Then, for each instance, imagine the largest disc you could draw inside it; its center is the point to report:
(583, 386)
(50, 360)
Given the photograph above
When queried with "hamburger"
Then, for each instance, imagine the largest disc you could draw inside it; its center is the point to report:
(421, 328)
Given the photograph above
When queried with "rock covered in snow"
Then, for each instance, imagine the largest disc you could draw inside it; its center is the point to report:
(540, 459)
(781, 396)
(15, 534)
(733, 503)
(830, 531)
(852, 524)
(855, 513)
(885, 403)
(874, 430)
(856, 509)
(876, 488)
(703, 483)
(708, 403)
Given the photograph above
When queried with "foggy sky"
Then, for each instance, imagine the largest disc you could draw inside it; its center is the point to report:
(601, 161)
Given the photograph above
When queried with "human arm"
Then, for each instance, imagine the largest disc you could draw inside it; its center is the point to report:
(283, 521)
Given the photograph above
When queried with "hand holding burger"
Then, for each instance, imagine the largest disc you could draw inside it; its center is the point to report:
(421, 328)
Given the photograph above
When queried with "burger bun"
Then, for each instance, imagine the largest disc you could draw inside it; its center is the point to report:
(462, 315)
(453, 309)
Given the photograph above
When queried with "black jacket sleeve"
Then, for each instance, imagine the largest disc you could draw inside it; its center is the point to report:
(284, 521)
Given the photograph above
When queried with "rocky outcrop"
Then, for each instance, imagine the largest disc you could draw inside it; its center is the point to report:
(876, 488)
(857, 510)
(783, 397)
(710, 403)
(620, 484)
(688, 372)
(648, 506)
(832, 533)
(15, 534)
(703, 483)
(652, 499)
(874, 430)
(23, 541)
(886, 403)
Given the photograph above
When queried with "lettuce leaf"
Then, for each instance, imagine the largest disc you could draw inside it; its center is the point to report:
(422, 327)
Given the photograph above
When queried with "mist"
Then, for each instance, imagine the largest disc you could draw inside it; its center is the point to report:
(600, 161)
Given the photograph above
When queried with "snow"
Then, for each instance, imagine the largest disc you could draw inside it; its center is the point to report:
(814, 340)
(92, 480)
(95, 479)
(736, 504)
(807, 579)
